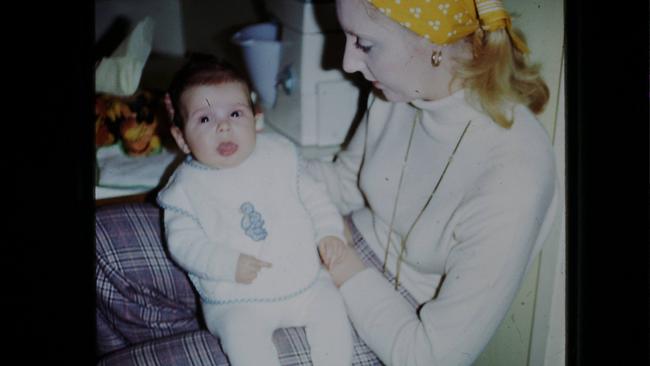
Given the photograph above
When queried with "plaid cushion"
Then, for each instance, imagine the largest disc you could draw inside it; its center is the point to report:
(147, 311)
(141, 294)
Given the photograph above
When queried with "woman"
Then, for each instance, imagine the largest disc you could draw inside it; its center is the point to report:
(464, 229)
(450, 159)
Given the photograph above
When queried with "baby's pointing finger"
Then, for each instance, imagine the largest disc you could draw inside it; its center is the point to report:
(256, 265)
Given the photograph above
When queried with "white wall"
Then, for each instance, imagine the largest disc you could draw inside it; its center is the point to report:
(548, 333)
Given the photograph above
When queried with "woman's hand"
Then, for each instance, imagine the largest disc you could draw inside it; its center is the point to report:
(346, 267)
(348, 263)
(331, 250)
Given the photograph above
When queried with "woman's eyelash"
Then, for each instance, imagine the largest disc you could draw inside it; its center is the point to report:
(363, 48)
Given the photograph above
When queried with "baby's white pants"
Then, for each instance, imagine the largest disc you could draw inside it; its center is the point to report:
(246, 329)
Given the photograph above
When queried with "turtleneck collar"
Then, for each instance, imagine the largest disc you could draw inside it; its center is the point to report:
(442, 119)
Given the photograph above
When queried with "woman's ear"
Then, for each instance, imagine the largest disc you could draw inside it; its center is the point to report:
(180, 139)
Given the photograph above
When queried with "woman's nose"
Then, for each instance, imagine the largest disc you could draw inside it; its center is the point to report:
(351, 59)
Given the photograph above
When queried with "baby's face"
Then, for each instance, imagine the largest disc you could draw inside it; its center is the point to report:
(219, 127)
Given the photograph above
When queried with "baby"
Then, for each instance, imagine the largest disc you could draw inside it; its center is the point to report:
(242, 217)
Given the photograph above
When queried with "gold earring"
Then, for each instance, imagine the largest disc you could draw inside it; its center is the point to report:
(436, 58)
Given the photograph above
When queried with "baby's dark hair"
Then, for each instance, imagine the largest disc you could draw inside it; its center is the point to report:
(202, 69)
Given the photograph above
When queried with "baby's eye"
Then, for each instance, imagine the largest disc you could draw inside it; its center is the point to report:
(236, 114)
(204, 119)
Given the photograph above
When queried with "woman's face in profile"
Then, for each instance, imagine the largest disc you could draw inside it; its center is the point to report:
(395, 60)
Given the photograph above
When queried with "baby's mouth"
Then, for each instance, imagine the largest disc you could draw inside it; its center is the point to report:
(227, 148)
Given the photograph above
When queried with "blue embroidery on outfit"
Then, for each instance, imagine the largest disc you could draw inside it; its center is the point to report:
(252, 222)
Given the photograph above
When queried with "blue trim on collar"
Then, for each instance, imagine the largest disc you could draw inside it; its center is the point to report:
(190, 161)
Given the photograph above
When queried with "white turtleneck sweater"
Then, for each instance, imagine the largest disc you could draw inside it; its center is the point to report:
(472, 245)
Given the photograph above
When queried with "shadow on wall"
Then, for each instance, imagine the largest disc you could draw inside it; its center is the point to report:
(209, 24)
(169, 36)
(112, 37)
(333, 50)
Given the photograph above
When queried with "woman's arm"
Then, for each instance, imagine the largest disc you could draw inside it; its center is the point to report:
(498, 228)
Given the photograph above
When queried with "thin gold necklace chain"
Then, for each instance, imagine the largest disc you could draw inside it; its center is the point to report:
(418, 116)
(399, 186)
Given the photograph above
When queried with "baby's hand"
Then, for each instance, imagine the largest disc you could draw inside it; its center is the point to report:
(248, 267)
(331, 250)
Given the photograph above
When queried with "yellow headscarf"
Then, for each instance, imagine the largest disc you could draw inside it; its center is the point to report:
(446, 21)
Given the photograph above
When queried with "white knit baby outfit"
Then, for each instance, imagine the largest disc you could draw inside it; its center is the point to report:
(269, 208)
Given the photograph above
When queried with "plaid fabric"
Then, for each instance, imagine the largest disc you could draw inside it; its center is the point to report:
(141, 294)
(147, 311)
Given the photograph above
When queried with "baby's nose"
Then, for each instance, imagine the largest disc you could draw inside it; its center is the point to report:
(223, 126)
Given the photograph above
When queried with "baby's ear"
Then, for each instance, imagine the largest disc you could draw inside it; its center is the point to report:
(259, 121)
(257, 111)
(168, 106)
(180, 139)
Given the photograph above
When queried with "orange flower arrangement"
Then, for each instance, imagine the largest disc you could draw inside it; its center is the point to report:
(132, 121)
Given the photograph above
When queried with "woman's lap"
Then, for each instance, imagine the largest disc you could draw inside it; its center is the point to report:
(147, 311)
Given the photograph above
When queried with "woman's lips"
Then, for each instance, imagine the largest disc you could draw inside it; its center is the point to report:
(227, 148)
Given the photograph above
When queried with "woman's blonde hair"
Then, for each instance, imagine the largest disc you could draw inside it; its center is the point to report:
(499, 73)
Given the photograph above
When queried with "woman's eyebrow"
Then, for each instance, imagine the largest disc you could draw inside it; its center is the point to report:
(348, 31)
